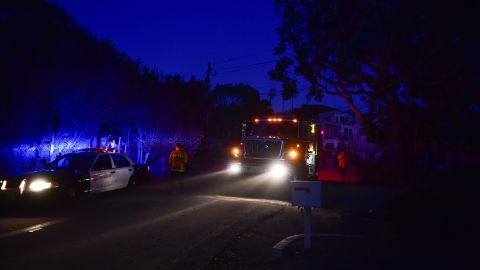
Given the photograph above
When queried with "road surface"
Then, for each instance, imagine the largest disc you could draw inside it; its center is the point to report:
(218, 222)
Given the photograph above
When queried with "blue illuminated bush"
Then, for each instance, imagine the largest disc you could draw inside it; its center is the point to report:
(74, 85)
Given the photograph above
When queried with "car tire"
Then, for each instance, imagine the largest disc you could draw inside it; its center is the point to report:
(132, 182)
(69, 194)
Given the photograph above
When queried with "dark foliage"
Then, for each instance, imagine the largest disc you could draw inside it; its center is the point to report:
(310, 112)
(234, 104)
(408, 69)
(440, 220)
(55, 77)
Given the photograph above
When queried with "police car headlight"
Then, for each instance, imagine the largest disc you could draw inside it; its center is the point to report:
(235, 168)
(40, 184)
(3, 184)
(278, 170)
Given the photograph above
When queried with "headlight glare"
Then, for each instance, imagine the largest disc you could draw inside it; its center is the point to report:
(278, 170)
(22, 186)
(292, 154)
(3, 185)
(235, 151)
(38, 185)
(235, 168)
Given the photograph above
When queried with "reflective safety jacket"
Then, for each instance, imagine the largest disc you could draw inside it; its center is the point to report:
(178, 160)
(342, 160)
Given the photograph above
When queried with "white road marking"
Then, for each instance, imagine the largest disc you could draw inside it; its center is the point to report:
(31, 229)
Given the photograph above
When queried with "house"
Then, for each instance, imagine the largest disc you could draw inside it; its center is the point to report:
(342, 131)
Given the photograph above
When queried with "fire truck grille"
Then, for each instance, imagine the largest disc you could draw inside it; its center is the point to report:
(263, 148)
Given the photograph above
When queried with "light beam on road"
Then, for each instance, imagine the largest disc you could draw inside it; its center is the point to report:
(243, 199)
(31, 229)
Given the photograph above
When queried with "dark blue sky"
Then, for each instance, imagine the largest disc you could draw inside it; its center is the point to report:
(182, 36)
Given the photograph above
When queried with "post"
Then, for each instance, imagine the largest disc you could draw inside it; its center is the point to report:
(306, 194)
(307, 220)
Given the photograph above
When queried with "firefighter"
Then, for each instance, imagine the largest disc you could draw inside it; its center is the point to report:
(343, 161)
(310, 161)
(178, 160)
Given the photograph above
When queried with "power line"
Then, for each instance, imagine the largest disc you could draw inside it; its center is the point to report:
(228, 60)
(234, 72)
(235, 68)
(267, 87)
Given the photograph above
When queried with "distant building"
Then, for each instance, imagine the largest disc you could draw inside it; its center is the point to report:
(342, 131)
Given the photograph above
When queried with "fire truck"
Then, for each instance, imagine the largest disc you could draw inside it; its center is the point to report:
(280, 147)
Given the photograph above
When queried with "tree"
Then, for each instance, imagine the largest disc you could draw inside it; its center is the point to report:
(234, 103)
(60, 85)
(398, 64)
(309, 112)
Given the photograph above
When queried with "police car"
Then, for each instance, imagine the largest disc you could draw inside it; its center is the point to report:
(70, 175)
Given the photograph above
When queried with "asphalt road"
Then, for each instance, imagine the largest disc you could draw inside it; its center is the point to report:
(218, 222)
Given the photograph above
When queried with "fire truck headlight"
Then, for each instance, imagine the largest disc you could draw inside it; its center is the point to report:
(235, 151)
(292, 154)
(235, 168)
(278, 170)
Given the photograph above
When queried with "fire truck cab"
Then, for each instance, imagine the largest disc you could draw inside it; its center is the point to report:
(281, 147)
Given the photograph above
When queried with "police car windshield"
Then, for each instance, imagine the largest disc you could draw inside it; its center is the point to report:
(74, 161)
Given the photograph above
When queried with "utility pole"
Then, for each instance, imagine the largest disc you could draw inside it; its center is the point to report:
(208, 75)
(271, 94)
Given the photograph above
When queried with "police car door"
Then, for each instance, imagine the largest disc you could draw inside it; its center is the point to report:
(102, 174)
(124, 170)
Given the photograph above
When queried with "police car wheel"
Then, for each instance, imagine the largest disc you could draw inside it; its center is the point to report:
(70, 193)
(132, 182)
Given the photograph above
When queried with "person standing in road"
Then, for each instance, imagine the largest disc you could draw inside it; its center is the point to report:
(310, 161)
(178, 160)
(342, 164)
(111, 146)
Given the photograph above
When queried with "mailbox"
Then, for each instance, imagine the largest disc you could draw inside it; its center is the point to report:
(306, 193)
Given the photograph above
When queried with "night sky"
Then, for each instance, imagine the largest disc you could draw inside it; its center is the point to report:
(182, 36)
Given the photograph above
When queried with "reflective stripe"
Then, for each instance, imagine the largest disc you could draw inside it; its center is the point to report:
(178, 160)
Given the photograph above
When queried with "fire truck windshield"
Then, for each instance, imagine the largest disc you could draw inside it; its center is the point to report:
(278, 129)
